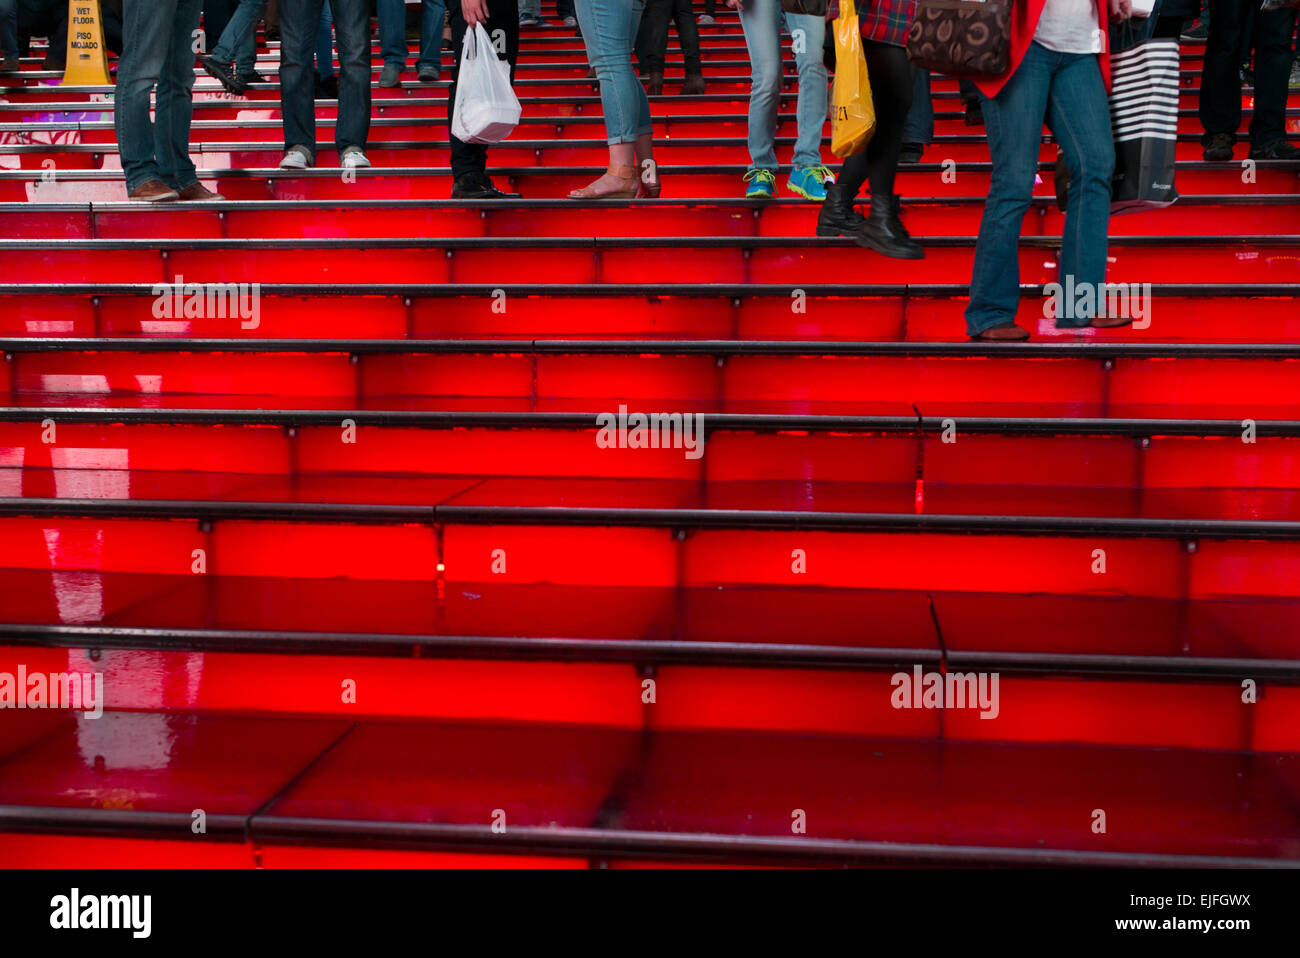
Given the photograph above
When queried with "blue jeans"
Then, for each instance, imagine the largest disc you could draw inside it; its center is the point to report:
(609, 31)
(8, 28)
(157, 37)
(761, 21)
(392, 32)
(299, 28)
(1066, 90)
(236, 43)
(919, 125)
(325, 42)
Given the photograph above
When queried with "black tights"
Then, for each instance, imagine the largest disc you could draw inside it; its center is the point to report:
(890, 73)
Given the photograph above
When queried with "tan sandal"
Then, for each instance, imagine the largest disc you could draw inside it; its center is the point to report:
(627, 174)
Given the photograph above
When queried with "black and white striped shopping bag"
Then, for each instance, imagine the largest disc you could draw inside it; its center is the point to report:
(1144, 118)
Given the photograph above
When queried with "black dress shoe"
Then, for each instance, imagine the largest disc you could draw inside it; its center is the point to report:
(478, 186)
(252, 76)
(1277, 150)
(1218, 147)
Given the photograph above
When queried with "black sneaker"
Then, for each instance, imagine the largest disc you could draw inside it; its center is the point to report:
(223, 73)
(390, 76)
(1277, 150)
(478, 186)
(1218, 148)
(1197, 31)
(429, 74)
(252, 76)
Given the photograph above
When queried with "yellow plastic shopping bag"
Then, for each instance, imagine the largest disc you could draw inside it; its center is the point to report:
(853, 116)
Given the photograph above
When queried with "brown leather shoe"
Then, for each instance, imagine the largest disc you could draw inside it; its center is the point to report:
(1006, 333)
(1110, 322)
(654, 84)
(153, 191)
(694, 85)
(196, 192)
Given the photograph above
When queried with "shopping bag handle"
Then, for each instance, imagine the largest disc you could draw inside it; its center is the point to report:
(469, 49)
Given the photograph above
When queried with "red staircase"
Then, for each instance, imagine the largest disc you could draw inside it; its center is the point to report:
(365, 589)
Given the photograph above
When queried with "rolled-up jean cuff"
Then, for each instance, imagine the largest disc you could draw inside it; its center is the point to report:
(630, 137)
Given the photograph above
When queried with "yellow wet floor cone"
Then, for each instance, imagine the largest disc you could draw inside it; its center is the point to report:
(87, 65)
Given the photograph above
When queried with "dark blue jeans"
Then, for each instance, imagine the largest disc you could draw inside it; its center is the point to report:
(157, 38)
(299, 21)
(237, 43)
(392, 32)
(8, 28)
(1066, 90)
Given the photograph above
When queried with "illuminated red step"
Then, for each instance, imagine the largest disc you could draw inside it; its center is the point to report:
(757, 376)
(840, 628)
(1264, 215)
(608, 793)
(794, 260)
(872, 312)
(718, 548)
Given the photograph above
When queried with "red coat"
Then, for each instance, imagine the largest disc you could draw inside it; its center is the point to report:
(1024, 21)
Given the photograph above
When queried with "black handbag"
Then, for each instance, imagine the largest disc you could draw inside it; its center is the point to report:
(961, 38)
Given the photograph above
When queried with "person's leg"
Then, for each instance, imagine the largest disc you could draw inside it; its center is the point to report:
(688, 37)
(147, 33)
(808, 33)
(608, 29)
(761, 22)
(891, 74)
(392, 32)
(1078, 114)
(298, 22)
(652, 39)
(1273, 57)
(564, 8)
(49, 19)
(325, 42)
(112, 30)
(239, 31)
(175, 98)
(1014, 120)
(352, 30)
(216, 17)
(432, 14)
(503, 16)
(918, 126)
(8, 29)
(1220, 100)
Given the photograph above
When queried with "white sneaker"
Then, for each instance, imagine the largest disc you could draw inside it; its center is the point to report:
(705, 20)
(570, 21)
(353, 157)
(296, 158)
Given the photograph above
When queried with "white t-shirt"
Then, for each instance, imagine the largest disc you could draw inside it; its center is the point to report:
(1069, 26)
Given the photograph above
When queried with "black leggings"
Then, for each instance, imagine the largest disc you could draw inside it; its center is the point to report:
(890, 73)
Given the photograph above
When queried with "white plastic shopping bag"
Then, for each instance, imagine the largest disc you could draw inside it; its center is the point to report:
(487, 109)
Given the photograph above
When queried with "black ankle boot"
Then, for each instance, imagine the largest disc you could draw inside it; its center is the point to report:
(837, 216)
(884, 232)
